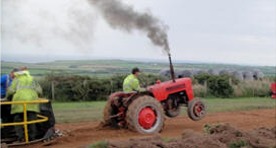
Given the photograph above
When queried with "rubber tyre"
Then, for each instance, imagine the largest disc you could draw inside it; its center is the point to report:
(192, 113)
(108, 111)
(133, 112)
(173, 113)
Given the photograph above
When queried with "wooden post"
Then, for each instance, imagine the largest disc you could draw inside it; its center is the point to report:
(111, 87)
(253, 90)
(53, 90)
(206, 88)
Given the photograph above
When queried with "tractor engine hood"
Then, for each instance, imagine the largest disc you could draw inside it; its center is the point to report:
(161, 91)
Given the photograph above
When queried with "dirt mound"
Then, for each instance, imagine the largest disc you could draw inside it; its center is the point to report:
(232, 137)
(151, 142)
(215, 136)
(83, 134)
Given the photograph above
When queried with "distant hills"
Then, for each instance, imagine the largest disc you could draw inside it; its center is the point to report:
(104, 68)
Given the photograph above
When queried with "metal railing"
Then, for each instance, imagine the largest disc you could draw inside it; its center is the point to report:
(25, 120)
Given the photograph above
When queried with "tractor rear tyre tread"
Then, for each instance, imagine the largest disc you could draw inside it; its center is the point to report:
(133, 112)
(108, 111)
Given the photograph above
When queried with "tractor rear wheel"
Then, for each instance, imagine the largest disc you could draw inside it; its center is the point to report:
(108, 112)
(196, 109)
(145, 115)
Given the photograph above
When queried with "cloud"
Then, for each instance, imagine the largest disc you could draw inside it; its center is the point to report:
(234, 31)
(256, 40)
(47, 24)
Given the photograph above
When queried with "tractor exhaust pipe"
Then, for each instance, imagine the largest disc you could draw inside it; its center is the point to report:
(171, 68)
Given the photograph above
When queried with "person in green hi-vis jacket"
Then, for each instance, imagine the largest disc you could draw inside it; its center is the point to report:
(131, 82)
(24, 88)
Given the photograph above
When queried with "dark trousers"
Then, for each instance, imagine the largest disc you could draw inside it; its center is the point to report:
(6, 117)
(18, 117)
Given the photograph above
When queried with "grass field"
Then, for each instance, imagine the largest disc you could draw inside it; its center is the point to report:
(92, 111)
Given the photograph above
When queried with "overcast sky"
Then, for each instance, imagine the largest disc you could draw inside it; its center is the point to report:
(209, 31)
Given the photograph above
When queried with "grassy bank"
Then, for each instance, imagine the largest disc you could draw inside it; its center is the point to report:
(92, 111)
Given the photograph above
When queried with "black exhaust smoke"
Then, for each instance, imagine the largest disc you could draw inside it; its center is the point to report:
(171, 68)
(124, 17)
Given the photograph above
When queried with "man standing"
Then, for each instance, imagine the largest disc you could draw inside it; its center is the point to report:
(131, 82)
(24, 88)
(6, 117)
(6, 81)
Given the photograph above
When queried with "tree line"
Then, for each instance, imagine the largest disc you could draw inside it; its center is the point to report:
(60, 87)
(84, 88)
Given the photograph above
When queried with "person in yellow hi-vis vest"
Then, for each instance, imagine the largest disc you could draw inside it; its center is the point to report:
(24, 88)
(131, 82)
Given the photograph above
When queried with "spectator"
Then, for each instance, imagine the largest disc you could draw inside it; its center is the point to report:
(6, 81)
(24, 88)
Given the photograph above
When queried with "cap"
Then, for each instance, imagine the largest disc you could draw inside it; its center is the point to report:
(134, 70)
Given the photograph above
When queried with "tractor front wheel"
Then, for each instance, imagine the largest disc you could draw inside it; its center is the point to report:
(145, 115)
(196, 109)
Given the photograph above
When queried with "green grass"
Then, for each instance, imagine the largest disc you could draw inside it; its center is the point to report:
(92, 111)
(78, 111)
(100, 144)
(239, 104)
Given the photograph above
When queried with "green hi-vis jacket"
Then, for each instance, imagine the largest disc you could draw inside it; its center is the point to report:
(131, 83)
(24, 88)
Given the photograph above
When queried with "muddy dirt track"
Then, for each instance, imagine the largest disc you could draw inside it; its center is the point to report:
(86, 133)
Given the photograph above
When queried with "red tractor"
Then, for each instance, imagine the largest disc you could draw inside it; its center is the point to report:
(273, 90)
(144, 111)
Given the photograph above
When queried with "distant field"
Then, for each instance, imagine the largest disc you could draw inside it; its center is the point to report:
(92, 111)
(103, 68)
